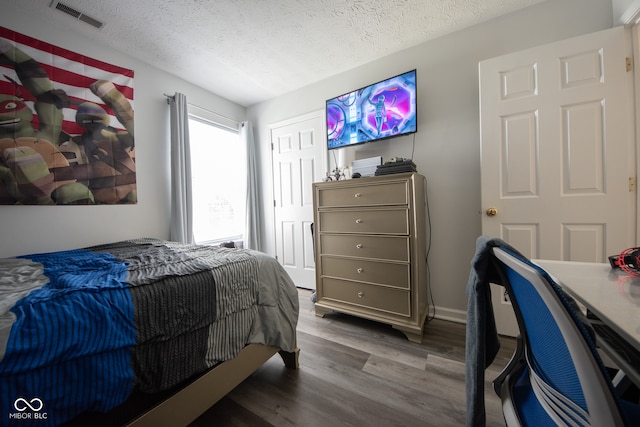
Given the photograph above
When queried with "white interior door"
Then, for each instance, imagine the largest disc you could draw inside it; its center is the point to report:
(558, 163)
(299, 160)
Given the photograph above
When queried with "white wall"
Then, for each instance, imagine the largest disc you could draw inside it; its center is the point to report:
(624, 11)
(28, 229)
(447, 149)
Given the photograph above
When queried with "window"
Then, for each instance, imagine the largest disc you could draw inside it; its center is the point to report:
(218, 173)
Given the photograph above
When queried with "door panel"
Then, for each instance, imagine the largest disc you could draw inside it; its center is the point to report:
(299, 159)
(557, 150)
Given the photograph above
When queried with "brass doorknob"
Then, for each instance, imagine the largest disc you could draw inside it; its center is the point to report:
(492, 212)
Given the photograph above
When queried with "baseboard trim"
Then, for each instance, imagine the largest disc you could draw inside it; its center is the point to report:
(451, 315)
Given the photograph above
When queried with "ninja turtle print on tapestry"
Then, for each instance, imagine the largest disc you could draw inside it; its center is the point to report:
(66, 126)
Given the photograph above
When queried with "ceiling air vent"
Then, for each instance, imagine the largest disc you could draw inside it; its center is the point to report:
(77, 14)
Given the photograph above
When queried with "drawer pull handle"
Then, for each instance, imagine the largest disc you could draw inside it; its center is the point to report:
(359, 270)
(360, 294)
(358, 195)
(358, 221)
(359, 246)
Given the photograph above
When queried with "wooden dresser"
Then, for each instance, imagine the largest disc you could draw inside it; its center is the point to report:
(370, 250)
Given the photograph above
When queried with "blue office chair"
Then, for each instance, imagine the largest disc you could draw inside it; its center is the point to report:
(555, 376)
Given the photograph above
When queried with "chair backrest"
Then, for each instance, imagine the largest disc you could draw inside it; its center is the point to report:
(560, 379)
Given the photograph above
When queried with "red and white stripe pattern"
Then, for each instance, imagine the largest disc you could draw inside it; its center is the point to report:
(69, 71)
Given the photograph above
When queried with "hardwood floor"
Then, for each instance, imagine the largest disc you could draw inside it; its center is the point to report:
(355, 372)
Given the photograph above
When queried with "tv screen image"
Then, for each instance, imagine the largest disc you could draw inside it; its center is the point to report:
(382, 110)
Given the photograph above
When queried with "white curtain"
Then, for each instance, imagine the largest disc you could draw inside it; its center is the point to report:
(252, 230)
(181, 198)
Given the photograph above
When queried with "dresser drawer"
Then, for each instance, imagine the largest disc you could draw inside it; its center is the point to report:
(396, 301)
(383, 273)
(371, 221)
(387, 193)
(394, 248)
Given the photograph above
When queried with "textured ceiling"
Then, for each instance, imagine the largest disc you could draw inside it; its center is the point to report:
(249, 51)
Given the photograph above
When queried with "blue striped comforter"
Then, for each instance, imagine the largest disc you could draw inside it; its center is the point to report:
(80, 329)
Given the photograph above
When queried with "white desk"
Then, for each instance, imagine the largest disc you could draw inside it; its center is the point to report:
(612, 295)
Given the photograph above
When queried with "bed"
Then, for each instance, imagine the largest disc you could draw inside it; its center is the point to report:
(85, 332)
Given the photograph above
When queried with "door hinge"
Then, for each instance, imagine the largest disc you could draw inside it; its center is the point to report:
(629, 64)
(632, 184)
(274, 203)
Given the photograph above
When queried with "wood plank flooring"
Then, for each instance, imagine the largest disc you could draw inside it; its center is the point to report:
(355, 372)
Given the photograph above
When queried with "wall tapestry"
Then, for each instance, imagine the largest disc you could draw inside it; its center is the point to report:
(66, 126)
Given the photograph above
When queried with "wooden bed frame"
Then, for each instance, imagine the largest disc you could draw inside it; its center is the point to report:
(189, 403)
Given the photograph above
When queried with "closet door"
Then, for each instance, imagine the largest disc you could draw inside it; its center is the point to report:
(298, 159)
(558, 163)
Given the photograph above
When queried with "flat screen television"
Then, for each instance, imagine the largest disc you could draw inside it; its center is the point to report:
(379, 111)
